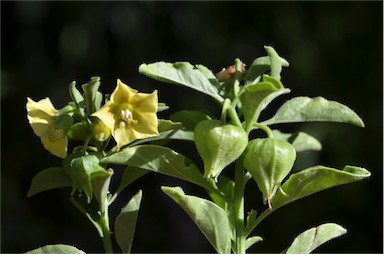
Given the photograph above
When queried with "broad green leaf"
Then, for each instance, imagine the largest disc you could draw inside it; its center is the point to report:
(48, 179)
(256, 97)
(125, 223)
(252, 240)
(305, 109)
(57, 249)
(189, 118)
(177, 134)
(180, 73)
(161, 160)
(209, 217)
(209, 75)
(130, 175)
(312, 238)
(315, 179)
(301, 141)
(258, 67)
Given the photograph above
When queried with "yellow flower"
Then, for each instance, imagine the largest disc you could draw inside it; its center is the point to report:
(129, 115)
(42, 117)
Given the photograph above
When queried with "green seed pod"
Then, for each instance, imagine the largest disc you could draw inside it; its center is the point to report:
(219, 144)
(269, 161)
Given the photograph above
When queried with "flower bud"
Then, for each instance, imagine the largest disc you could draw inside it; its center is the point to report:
(269, 161)
(100, 131)
(219, 144)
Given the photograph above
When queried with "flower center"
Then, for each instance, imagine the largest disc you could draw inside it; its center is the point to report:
(127, 117)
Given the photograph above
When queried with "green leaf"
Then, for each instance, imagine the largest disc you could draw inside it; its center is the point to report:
(177, 134)
(181, 73)
(258, 67)
(256, 97)
(130, 175)
(312, 238)
(125, 223)
(276, 63)
(91, 95)
(161, 107)
(162, 160)
(209, 75)
(167, 125)
(77, 98)
(189, 118)
(301, 141)
(315, 179)
(48, 179)
(56, 249)
(209, 217)
(305, 109)
(252, 240)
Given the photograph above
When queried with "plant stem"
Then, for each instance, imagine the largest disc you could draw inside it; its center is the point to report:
(106, 237)
(239, 207)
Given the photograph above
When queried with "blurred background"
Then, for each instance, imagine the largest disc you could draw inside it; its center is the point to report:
(335, 50)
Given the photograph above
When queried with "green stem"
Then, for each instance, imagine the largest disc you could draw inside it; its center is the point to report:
(264, 128)
(106, 237)
(239, 208)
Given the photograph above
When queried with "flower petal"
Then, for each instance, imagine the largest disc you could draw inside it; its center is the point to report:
(57, 147)
(107, 114)
(143, 102)
(122, 93)
(40, 115)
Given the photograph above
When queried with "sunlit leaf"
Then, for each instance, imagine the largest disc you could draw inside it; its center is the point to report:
(189, 118)
(252, 240)
(181, 73)
(315, 179)
(161, 160)
(305, 109)
(301, 141)
(57, 249)
(125, 224)
(48, 179)
(312, 238)
(210, 218)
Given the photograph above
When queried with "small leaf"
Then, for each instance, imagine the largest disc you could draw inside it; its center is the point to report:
(189, 118)
(301, 141)
(252, 240)
(161, 160)
(161, 107)
(77, 97)
(167, 125)
(251, 221)
(276, 63)
(180, 73)
(315, 179)
(56, 249)
(256, 97)
(312, 238)
(125, 224)
(258, 67)
(305, 109)
(210, 218)
(48, 179)
(130, 175)
(91, 95)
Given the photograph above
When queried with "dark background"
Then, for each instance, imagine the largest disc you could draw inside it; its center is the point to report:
(335, 50)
